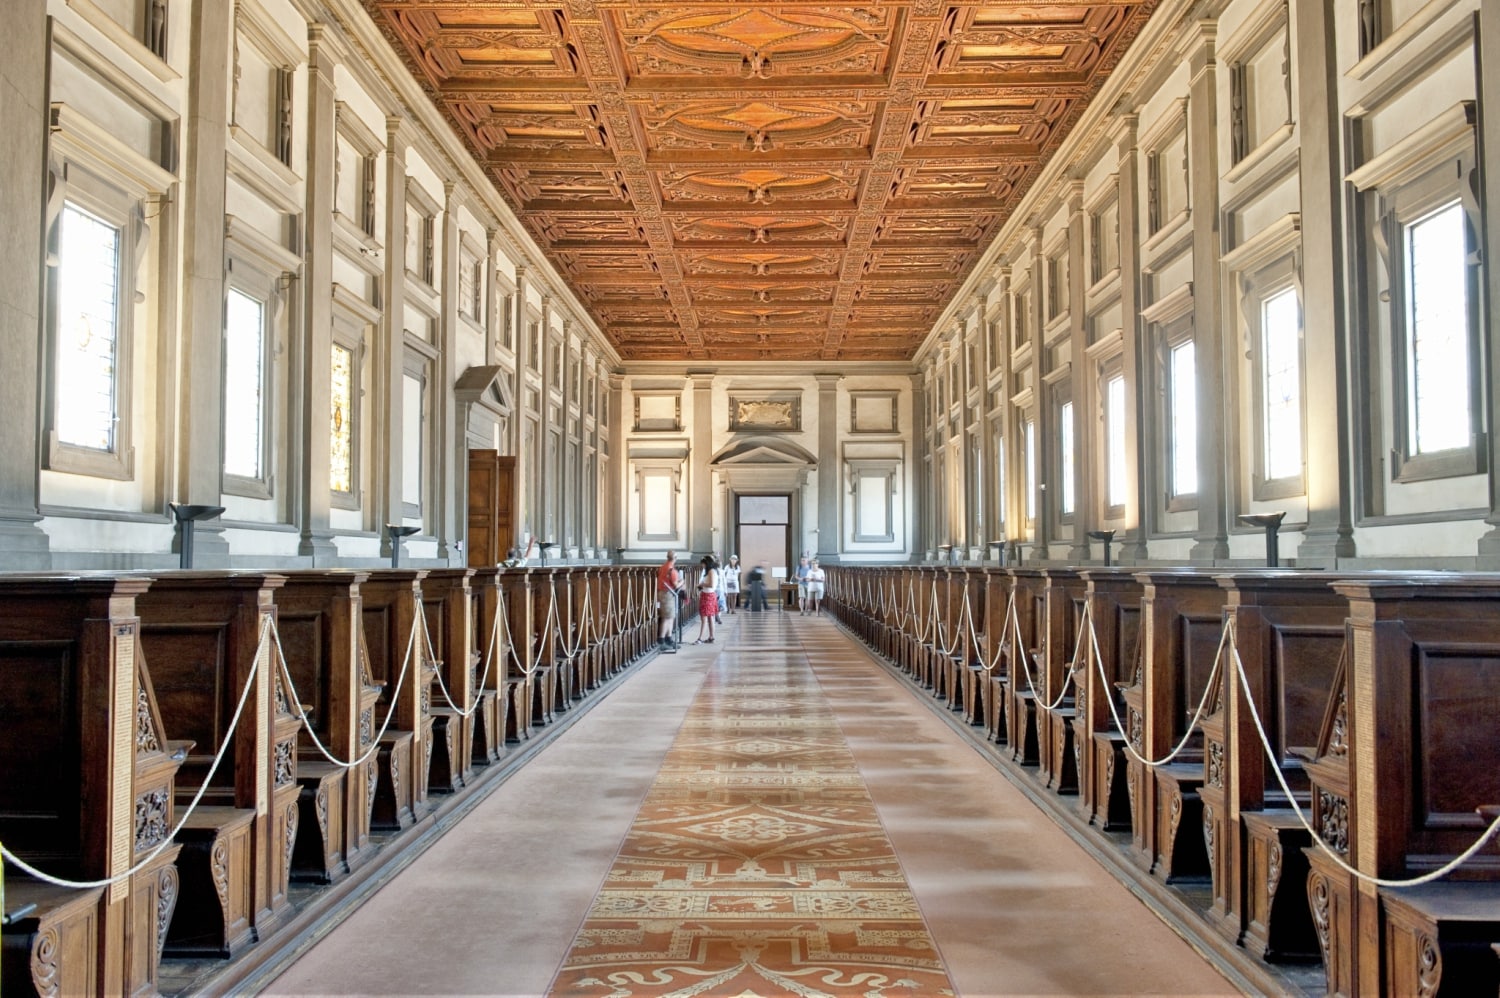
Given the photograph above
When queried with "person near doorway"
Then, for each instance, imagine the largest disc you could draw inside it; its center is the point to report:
(816, 580)
(708, 599)
(731, 574)
(668, 581)
(802, 570)
(758, 588)
(723, 596)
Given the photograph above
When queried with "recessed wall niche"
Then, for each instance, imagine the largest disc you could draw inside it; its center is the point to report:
(873, 412)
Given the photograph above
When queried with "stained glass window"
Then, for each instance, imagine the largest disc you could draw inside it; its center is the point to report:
(244, 384)
(341, 430)
(88, 295)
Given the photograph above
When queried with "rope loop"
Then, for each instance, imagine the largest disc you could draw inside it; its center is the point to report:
(1265, 744)
(267, 626)
(1208, 690)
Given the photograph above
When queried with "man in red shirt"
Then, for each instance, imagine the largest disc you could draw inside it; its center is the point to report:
(668, 581)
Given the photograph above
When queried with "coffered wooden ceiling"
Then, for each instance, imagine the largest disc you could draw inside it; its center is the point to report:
(748, 182)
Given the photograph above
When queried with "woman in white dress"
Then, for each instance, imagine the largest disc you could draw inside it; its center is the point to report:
(730, 576)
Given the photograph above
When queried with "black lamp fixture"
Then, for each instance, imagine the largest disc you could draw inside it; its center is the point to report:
(1108, 537)
(396, 531)
(545, 546)
(1272, 523)
(1000, 550)
(186, 515)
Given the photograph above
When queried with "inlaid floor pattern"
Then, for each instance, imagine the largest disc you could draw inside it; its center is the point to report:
(757, 865)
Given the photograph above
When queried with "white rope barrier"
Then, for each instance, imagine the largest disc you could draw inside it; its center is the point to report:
(1085, 620)
(1197, 714)
(390, 714)
(266, 627)
(484, 677)
(1265, 743)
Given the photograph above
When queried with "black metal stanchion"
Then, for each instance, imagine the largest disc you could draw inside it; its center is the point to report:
(187, 515)
(396, 531)
(1108, 537)
(1272, 523)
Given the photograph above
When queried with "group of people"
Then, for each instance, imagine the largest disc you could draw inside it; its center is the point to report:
(717, 590)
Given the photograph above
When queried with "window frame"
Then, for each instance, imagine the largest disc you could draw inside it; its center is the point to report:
(1113, 371)
(1428, 170)
(353, 323)
(1066, 463)
(1174, 340)
(1257, 288)
(261, 486)
(124, 210)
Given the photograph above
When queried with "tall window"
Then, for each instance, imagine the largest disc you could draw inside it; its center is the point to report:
(1437, 322)
(244, 385)
(88, 317)
(341, 429)
(1115, 479)
(412, 429)
(1065, 458)
(1183, 419)
(1281, 385)
(1030, 444)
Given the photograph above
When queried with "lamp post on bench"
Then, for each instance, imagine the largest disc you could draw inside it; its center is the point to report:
(545, 546)
(1108, 537)
(396, 531)
(186, 515)
(1272, 523)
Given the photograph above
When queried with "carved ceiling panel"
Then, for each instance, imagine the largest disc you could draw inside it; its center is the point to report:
(785, 181)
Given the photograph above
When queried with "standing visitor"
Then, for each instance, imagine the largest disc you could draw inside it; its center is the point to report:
(732, 582)
(816, 578)
(708, 599)
(723, 595)
(758, 588)
(668, 581)
(802, 569)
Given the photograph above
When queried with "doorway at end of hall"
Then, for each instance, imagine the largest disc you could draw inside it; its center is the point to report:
(763, 533)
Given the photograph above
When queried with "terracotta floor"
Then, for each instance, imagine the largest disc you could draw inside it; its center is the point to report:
(772, 814)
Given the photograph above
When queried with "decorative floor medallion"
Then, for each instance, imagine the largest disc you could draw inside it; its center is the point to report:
(757, 865)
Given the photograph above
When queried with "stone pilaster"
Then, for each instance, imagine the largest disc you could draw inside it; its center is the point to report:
(1046, 427)
(450, 452)
(200, 461)
(617, 488)
(918, 482)
(1489, 160)
(829, 465)
(549, 463)
(315, 357)
(1330, 529)
(23, 158)
(520, 497)
(700, 476)
(1138, 456)
(390, 352)
(1212, 536)
(1086, 441)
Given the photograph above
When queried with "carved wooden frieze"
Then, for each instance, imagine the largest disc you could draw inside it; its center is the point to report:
(703, 157)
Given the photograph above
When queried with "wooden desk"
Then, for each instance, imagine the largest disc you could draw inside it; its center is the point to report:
(788, 594)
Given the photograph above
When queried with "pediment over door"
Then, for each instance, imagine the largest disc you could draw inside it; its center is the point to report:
(763, 464)
(485, 403)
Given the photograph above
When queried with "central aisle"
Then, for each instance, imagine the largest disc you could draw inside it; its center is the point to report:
(783, 786)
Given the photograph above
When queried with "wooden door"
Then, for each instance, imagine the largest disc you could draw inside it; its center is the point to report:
(492, 529)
